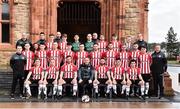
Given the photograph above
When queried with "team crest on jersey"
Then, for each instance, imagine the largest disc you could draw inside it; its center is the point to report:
(159, 56)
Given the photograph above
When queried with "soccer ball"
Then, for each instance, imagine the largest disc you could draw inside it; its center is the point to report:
(85, 99)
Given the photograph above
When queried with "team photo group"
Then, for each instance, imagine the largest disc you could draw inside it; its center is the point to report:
(95, 68)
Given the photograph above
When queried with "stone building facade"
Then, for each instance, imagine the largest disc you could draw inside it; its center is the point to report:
(123, 17)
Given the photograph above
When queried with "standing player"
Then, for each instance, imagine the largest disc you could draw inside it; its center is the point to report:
(80, 55)
(134, 54)
(102, 44)
(118, 76)
(51, 77)
(116, 43)
(75, 44)
(55, 54)
(124, 56)
(63, 43)
(36, 75)
(89, 44)
(49, 44)
(95, 55)
(145, 61)
(134, 77)
(102, 76)
(110, 55)
(68, 75)
(67, 52)
(42, 55)
(29, 56)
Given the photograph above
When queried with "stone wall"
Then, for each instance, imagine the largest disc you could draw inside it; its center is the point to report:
(21, 18)
(132, 17)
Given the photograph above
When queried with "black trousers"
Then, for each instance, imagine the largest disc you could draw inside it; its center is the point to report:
(158, 82)
(85, 87)
(16, 77)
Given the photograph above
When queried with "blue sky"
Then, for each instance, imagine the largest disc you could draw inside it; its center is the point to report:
(162, 15)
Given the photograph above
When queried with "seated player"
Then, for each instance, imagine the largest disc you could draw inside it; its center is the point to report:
(102, 76)
(51, 77)
(118, 76)
(145, 60)
(85, 77)
(35, 75)
(68, 75)
(134, 78)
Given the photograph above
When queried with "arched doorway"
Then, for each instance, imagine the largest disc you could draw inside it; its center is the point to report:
(78, 18)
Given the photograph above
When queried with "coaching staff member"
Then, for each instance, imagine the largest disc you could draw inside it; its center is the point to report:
(17, 63)
(85, 77)
(158, 68)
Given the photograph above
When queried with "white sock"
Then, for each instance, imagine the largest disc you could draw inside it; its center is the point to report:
(142, 90)
(59, 87)
(54, 89)
(115, 88)
(40, 89)
(123, 89)
(75, 87)
(146, 88)
(45, 89)
(96, 88)
(108, 88)
(28, 89)
(127, 89)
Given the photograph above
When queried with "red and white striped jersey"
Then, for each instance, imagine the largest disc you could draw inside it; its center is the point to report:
(52, 72)
(118, 72)
(124, 56)
(55, 54)
(67, 53)
(133, 73)
(42, 55)
(134, 55)
(110, 57)
(79, 56)
(116, 45)
(30, 57)
(36, 73)
(49, 45)
(69, 70)
(102, 71)
(102, 46)
(62, 46)
(95, 58)
(144, 62)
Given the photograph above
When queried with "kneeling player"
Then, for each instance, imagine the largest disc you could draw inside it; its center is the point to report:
(51, 77)
(102, 76)
(134, 78)
(118, 76)
(35, 75)
(68, 75)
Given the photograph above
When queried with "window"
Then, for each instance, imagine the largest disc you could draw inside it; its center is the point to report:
(5, 21)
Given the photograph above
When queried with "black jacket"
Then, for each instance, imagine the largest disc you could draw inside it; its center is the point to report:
(159, 63)
(17, 63)
(41, 41)
(141, 43)
(86, 72)
(22, 42)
